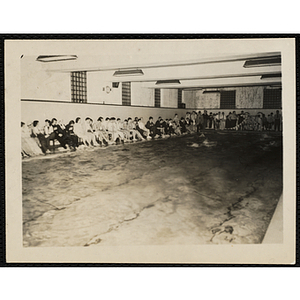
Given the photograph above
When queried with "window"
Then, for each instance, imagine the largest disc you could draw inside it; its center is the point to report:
(157, 98)
(78, 87)
(227, 99)
(126, 93)
(180, 104)
(272, 98)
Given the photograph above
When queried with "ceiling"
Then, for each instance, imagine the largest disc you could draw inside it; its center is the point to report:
(193, 73)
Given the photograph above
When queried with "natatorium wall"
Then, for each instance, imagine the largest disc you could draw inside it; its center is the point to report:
(65, 110)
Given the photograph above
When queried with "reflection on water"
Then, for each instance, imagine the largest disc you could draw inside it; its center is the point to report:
(159, 192)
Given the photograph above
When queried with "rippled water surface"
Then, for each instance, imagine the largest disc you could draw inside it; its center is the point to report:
(221, 188)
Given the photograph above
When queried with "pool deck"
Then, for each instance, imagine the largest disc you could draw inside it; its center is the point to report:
(274, 234)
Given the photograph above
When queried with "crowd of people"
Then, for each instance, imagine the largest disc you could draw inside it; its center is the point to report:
(40, 139)
(242, 121)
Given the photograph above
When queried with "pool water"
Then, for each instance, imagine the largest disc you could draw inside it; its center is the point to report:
(220, 188)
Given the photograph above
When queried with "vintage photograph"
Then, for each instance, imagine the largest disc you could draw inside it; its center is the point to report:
(154, 143)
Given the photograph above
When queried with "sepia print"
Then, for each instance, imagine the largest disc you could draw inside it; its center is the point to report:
(151, 150)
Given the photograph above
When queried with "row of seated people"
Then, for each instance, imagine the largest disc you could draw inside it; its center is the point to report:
(111, 130)
(37, 139)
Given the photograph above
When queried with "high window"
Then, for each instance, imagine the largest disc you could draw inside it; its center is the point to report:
(272, 98)
(157, 98)
(78, 87)
(180, 104)
(126, 93)
(227, 100)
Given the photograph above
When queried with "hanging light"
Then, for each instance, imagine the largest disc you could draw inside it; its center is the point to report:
(211, 92)
(273, 75)
(55, 58)
(168, 82)
(129, 72)
(263, 62)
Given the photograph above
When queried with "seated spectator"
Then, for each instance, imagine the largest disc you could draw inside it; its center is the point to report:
(100, 132)
(170, 129)
(142, 128)
(135, 122)
(60, 134)
(74, 141)
(48, 130)
(132, 128)
(115, 134)
(151, 127)
(189, 126)
(159, 128)
(188, 118)
(124, 130)
(104, 123)
(62, 125)
(182, 124)
(174, 128)
(80, 132)
(176, 119)
(38, 134)
(89, 131)
(175, 124)
(163, 125)
(29, 144)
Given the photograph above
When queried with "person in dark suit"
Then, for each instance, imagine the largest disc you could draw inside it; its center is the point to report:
(60, 134)
(151, 126)
(73, 137)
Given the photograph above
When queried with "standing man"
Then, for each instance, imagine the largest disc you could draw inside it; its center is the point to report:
(199, 121)
(205, 119)
(277, 121)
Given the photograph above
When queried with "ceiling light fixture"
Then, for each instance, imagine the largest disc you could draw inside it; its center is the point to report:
(168, 82)
(263, 62)
(267, 76)
(129, 72)
(211, 92)
(55, 58)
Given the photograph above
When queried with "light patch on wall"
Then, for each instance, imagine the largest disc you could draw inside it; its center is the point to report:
(207, 100)
(140, 95)
(249, 97)
(169, 98)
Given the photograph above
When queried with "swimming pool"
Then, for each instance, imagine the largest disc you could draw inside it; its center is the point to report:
(219, 189)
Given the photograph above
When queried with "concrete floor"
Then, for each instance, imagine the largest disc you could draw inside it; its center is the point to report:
(219, 189)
